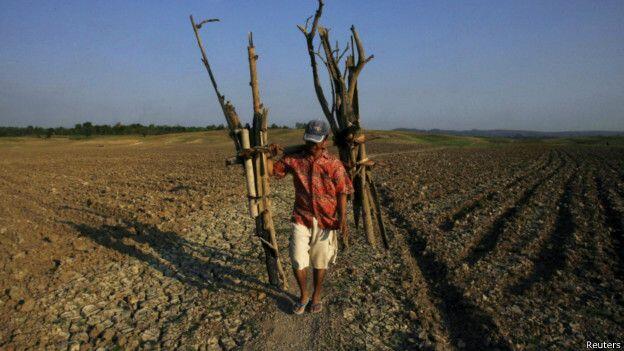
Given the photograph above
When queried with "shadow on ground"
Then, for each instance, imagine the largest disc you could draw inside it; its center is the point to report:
(193, 264)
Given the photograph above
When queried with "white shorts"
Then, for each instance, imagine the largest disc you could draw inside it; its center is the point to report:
(315, 245)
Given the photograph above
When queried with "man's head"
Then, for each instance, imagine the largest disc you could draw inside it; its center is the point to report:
(315, 136)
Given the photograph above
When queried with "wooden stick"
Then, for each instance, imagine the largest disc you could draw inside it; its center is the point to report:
(228, 110)
(264, 140)
(263, 241)
(253, 73)
(378, 214)
(366, 208)
(268, 219)
(270, 259)
(357, 200)
(257, 166)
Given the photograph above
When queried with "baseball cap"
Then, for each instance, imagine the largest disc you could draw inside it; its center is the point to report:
(315, 131)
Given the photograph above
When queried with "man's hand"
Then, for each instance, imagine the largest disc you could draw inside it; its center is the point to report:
(344, 230)
(276, 150)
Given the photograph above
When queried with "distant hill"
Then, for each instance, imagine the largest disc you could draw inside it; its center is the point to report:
(506, 133)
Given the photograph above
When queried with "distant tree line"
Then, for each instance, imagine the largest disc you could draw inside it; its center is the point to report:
(88, 129)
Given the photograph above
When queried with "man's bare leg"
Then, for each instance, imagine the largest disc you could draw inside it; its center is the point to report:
(302, 281)
(319, 276)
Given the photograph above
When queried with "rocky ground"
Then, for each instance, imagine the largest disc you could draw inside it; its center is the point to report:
(137, 243)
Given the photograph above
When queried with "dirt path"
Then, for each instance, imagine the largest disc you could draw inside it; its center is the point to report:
(282, 330)
(365, 306)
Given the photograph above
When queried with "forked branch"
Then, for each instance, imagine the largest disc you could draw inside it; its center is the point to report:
(329, 53)
(343, 53)
(309, 35)
(361, 61)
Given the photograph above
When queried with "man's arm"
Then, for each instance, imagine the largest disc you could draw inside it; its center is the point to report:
(270, 167)
(279, 168)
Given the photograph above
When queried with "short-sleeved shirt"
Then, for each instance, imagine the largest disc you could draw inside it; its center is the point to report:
(318, 183)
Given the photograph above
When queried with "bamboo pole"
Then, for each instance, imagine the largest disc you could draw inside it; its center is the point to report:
(253, 74)
(264, 141)
(249, 175)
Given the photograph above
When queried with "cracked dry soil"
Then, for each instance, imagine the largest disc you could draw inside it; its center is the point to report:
(145, 243)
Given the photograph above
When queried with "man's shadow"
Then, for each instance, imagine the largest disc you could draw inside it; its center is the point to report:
(198, 265)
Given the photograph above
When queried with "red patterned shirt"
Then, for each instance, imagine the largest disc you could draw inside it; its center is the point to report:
(317, 186)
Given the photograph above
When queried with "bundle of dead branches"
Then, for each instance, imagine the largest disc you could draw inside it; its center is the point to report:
(252, 146)
(344, 117)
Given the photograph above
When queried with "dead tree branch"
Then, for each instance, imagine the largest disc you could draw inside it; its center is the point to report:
(362, 60)
(228, 109)
(343, 117)
(309, 35)
(199, 25)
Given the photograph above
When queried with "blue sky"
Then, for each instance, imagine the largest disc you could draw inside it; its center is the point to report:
(541, 65)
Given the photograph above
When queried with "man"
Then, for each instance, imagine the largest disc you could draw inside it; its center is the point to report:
(321, 187)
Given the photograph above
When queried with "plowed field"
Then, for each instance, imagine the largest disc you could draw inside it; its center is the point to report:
(145, 243)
